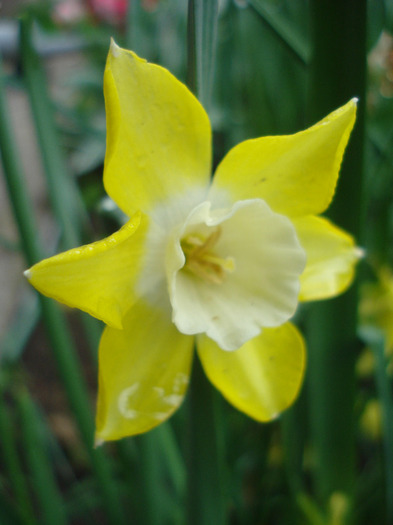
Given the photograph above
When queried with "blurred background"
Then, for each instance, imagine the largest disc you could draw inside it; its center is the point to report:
(329, 459)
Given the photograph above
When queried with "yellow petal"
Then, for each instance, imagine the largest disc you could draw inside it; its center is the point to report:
(143, 373)
(98, 278)
(295, 174)
(331, 258)
(263, 377)
(158, 134)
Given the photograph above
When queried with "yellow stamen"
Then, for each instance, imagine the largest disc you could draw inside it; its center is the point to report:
(203, 262)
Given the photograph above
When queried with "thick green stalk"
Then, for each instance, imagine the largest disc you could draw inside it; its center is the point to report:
(204, 499)
(205, 484)
(337, 74)
(63, 348)
(152, 494)
(202, 34)
(294, 431)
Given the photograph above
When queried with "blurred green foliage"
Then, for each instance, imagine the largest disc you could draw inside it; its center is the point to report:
(49, 471)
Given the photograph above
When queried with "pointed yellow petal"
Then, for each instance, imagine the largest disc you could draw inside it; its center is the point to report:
(331, 258)
(263, 377)
(295, 174)
(158, 134)
(98, 278)
(143, 373)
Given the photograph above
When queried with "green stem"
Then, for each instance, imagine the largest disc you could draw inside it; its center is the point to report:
(151, 479)
(161, 475)
(205, 484)
(337, 74)
(172, 459)
(202, 34)
(205, 502)
(294, 430)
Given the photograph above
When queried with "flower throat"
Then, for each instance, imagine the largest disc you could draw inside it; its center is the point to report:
(202, 261)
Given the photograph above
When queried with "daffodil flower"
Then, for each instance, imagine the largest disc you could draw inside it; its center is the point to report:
(218, 264)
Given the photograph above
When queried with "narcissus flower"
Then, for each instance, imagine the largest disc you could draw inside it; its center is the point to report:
(221, 265)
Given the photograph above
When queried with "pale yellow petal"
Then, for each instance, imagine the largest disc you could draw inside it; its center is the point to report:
(331, 258)
(98, 278)
(295, 174)
(143, 373)
(158, 134)
(263, 377)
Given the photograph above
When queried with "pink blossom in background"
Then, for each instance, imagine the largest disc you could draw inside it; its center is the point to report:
(69, 11)
(111, 11)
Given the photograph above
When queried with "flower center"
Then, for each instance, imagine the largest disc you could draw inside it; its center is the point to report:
(202, 261)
